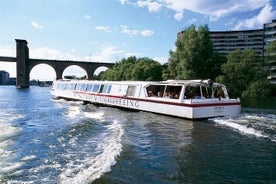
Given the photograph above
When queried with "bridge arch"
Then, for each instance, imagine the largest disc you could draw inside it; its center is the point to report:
(42, 72)
(75, 70)
(60, 65)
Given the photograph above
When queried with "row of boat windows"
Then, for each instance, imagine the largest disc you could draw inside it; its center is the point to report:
(191, 92)
(165, 91)
(97, 88)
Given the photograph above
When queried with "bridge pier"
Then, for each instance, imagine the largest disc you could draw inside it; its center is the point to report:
(59, 75)
(22, 56)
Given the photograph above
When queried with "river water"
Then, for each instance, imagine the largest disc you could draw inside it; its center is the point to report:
(43, 140)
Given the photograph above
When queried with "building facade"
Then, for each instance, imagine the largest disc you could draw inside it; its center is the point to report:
(4, 77)
(225, 42)
(270, 36)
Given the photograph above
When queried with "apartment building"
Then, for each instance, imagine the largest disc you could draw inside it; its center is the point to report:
(225, 42)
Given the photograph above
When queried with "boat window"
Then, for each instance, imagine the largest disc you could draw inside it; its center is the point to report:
(72, 86)
(218, 92)
(165, 91)
(83, 87)
(78, 86)
(155, 90)
(131, 90)
(66, 86)
(58, 86)
(89, 87)
(109, 89)
(205, 92)
(172, 91)
(96, 88)
(192, 92)
(104, 88)
(62, 86)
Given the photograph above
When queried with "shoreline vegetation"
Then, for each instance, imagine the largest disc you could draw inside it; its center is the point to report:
(264, 103)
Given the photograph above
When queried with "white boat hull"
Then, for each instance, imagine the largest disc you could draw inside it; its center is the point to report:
(190, 109)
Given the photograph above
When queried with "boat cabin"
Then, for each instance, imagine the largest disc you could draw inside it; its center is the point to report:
(178, 90)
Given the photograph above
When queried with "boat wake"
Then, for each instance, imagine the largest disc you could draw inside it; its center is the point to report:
(7, 134)
(257, 125)
(90, 168)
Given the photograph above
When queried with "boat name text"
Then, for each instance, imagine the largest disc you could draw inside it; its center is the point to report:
(107, 100)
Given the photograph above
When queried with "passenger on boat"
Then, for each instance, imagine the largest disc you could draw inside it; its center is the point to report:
(150, 94)
(166, 95)
(219, 93)
(188, 92)
(159, 94)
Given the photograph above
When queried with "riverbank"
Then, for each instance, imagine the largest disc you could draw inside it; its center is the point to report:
(265, 103)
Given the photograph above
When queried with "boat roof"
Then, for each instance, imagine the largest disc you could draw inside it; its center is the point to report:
(145, 83)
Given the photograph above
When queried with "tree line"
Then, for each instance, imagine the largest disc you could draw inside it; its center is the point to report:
(243, 72)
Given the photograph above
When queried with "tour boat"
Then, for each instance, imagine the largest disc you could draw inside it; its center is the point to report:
(191, 99)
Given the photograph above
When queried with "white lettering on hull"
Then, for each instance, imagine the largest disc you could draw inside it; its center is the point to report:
(108, 100)
(219, 110)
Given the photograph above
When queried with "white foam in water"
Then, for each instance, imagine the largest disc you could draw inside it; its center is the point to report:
(73, 111)
(94, 115)
(28, 158)
(7, 133)
(242, 128)
(6, 130)
(89, 169)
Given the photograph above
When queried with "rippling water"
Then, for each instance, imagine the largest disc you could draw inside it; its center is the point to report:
(56, 141)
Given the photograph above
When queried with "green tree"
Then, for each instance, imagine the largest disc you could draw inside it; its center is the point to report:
(257, 90)
(134, 69)
(194, 56)
(240, 70)
(165, 72)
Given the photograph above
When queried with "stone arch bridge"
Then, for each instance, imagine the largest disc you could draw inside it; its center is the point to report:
(24, 64)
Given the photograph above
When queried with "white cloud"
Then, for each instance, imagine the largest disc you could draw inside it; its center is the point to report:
(161, 60)
(215, 9)
(7, 51)
(123, 1)
(36, 25)
(126, 30)
(87, 16)
(178, 15)
(266, 15)
(147, 32)
(104, 28)
(151, 5)
(106, 54)
(48, 53)
(135, 32)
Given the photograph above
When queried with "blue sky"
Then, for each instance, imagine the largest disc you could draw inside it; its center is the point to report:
(109, 30)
